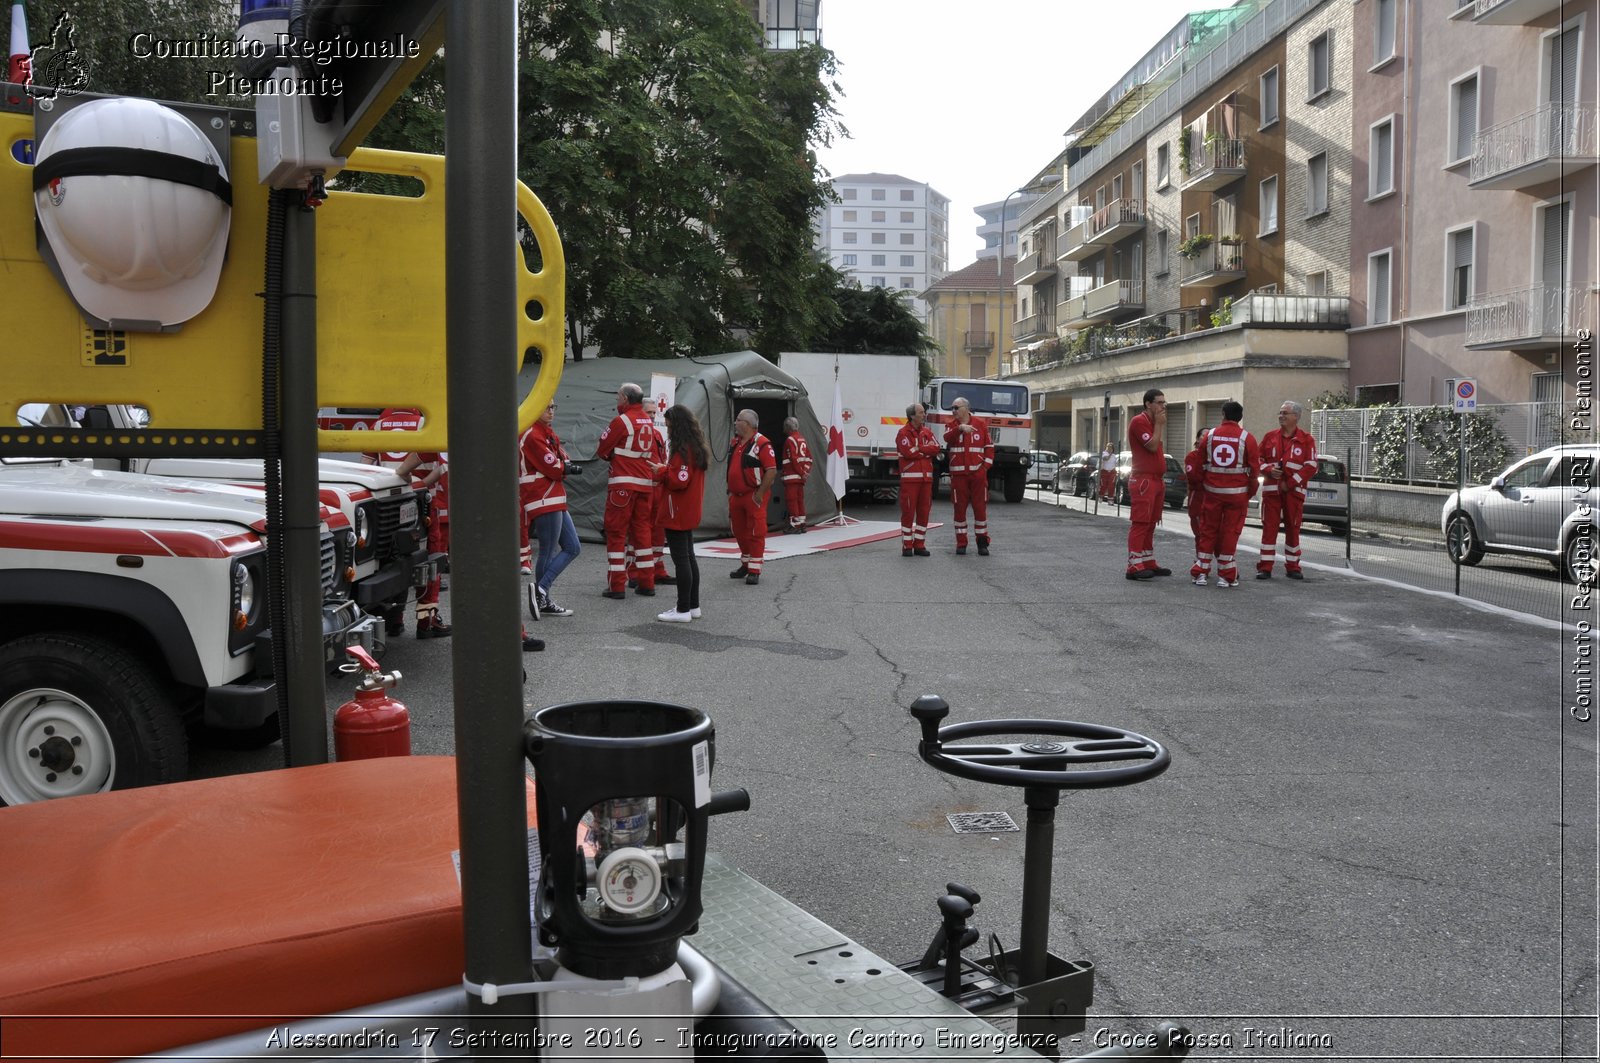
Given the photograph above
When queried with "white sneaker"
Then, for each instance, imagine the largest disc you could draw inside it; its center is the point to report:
(527, 570)
(1227, 582)
(695, 612)
(672, 616)
(1200, 580)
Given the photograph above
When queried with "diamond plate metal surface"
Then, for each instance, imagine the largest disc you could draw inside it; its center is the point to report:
(855, 1003)
(982, 822)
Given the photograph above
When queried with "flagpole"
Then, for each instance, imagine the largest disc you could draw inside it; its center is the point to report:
(838, 466)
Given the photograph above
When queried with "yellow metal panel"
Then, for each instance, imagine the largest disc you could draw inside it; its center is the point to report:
(380, 311)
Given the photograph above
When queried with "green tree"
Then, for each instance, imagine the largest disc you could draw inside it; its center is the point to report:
(104, 34)
(876, 321)
(678, 159)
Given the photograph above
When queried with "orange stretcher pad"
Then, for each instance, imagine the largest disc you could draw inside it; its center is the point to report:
(147, 919)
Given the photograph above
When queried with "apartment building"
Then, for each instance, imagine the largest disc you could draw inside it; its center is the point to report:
(1192, 252)
(887, 231)
(1001, 217)
(788, 24)
(1474, 235)
(969, 319)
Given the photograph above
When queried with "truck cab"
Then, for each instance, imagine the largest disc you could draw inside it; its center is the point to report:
(1008, 409)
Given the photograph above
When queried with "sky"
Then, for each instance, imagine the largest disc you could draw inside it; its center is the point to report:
(973, 97)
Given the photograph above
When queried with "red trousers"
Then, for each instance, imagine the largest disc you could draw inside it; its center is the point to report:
(749, 529)
(1288, 507)
(916, 501)
(971, 488)
(438, 543)
(794, 500)
(629, 521)
(1197, 512)
(1220, 527)
(1146, 496)
(1108, 481)
(658, 536)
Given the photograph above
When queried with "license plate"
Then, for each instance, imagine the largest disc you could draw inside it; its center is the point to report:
(1321, 496)
(408, 512)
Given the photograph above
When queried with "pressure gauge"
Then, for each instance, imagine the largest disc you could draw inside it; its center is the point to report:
(629, 880)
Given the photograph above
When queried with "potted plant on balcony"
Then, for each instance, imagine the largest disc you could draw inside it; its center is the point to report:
(1233, 254)
(1194, 245)
(1223, 314)
(1185, 147)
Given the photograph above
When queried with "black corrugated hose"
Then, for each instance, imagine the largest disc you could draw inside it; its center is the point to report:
(277, 589)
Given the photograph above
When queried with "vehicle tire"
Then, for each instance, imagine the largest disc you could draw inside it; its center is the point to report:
(1015, 484)
(1461, 540)
(1578, 556)
(81, 715)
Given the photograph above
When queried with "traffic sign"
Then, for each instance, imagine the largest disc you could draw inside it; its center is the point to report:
(1466, 395)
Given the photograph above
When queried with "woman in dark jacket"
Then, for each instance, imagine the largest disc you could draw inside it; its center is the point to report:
(683, 477)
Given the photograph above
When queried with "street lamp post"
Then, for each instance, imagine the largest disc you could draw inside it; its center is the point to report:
(1000, 265)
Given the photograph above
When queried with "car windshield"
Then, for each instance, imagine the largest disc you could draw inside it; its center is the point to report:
(1329, 472)
(986, 397)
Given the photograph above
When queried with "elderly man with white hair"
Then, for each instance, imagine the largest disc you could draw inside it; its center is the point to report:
(752, 466)
(1288, 461)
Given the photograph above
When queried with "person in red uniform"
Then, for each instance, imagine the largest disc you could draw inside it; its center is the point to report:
(796, 467)
(631, 445)
(545, 513)
(1146, 495)
(1232, 464)
(683, 485)
(1194, 474)
(917, 447)
(434, 472)
(1288, 461)
(971, 457)
(752, 466)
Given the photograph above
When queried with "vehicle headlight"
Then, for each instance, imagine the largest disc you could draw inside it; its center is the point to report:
(362, 525)
(244, 595)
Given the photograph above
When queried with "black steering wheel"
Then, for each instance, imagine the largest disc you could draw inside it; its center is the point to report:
(1059, 761)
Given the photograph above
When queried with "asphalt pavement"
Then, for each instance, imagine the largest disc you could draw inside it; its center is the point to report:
(1376, 838)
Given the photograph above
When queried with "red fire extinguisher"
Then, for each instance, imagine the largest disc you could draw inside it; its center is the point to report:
(373, 724)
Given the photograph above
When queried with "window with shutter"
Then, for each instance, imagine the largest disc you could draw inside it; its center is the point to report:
(1317, 184)
(1380, 174)
(1563, 61)
(1269, 206)
(1465, 107)
(1320, 51)
(1378, 288)
(1384, 13)
(1553, 256)
(1269, 97)
(1462, 252)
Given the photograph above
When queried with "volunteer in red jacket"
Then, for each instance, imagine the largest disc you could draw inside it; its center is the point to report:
(1232, 465)
(918, 447)
(683, 485)
(545, 467)
(1146, 495)
(971, 457)
(631, 445)
(752, 467)
(1288, 461)
(1194, 474)
(796, 467)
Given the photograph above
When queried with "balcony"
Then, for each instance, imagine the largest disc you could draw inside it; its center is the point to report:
(1534, 148)
(1310, 311)
(1213, 265)
(1070, 312)
(1510, 12)
(1035, 326)
(977, 341)
(1526, 319)
(1074, 245)
(1118, 220)
(1035, 267)
(1218, 162)
(1112, 299)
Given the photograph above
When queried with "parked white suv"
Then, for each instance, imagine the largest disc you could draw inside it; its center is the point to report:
(1541, 506)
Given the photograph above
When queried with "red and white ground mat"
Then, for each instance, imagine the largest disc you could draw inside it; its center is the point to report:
(814, 541)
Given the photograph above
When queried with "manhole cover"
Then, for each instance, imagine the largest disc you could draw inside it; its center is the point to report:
(981, 822)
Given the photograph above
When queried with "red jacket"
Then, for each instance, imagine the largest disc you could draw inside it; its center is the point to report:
(630, 444)
(1295, 455)
(970, 452)
(796, 458)
(748, 461)
(1140, 429)
(1194, 473)
(1232, 461)
(918, 447)
(685, 485)
(544, 471)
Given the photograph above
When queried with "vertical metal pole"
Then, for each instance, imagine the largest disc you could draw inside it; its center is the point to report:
(306, 730)
(1038, 855)
(1349, 503)
(481, 346)
(1461, 479)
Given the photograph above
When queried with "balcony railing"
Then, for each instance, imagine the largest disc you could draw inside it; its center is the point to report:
(1533, 148)
(1073, 245)
(1117, 220)
(1032, 327)
(1037, 266)
(1218, 263)
(1527, 318)
(1326, 311)
(1511, 12)
(1113, 298)
(977, 341)
(1217, 162)
(1070, 311)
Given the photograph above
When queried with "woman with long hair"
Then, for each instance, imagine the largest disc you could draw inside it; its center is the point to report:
(684, 479)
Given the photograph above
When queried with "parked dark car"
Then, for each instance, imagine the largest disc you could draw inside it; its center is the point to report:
(1076, 477)
(1177, 489)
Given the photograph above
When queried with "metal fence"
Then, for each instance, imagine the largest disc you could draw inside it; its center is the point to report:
(1432, 445)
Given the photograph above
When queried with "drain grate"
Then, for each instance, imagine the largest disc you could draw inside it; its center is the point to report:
(981, 822)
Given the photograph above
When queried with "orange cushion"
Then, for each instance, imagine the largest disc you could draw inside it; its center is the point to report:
(222, 905)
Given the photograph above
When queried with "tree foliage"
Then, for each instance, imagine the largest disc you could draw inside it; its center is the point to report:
(103, 45)
(678, 159)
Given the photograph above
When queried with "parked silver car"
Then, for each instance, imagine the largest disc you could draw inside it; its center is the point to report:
(1542, 506)
(1044, 468)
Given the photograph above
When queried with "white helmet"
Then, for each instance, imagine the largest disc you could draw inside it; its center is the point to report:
(135, 203)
